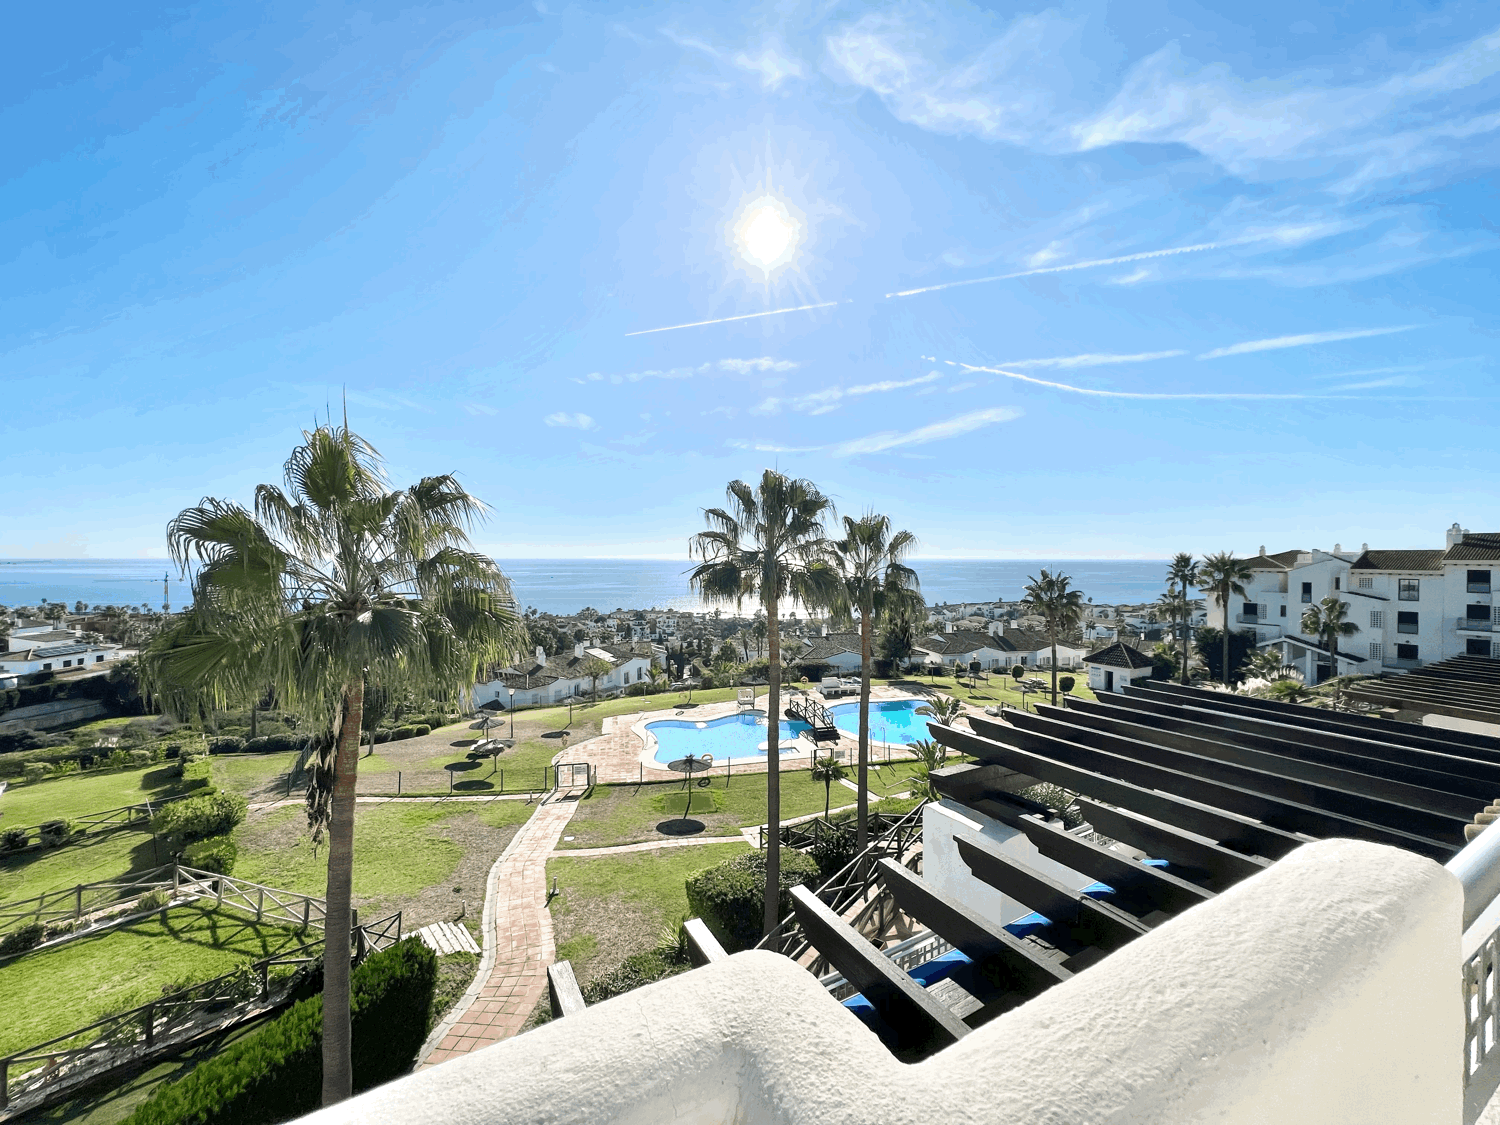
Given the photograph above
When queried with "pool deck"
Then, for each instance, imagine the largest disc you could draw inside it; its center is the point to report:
(620, 754)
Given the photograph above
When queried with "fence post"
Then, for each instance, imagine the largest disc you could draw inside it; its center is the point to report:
(77, 908)
(398, 783)
(306, 910)
(150, 1025)
(265, 979)
(260, 904)
(176, 879)
(502, 781)
(4, 1083)
(450, 783)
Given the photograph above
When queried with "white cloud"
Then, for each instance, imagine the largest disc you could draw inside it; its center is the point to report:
(770, 64)
(478, 408)
(1131, 278)
(571, 421)
(728, 319)
(828, 399)
(1277, 342)
(1096, 393)
(763, 363)
(937, 431)
(1093, 359)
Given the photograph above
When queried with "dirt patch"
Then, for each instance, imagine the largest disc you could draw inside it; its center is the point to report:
(460, 898)
(618, 926)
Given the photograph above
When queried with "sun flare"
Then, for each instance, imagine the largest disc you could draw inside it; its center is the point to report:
(767, 234)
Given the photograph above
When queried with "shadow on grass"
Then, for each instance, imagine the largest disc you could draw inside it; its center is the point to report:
(464, 767)
(472, 784)
(680, 826)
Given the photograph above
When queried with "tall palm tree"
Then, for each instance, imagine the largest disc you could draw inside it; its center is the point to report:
(1183, 571)
(942, 708)
(1329, 620)
(768, 543)
(827, 770)
(335, 582)
(1049, 598)
(1222, 574)
(876, 581)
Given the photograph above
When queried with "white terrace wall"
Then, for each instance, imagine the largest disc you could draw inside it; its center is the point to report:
(1324, 991)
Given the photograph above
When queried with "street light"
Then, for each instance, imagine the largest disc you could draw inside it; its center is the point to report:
(512, 713)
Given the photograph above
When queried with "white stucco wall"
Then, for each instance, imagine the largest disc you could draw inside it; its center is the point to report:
(1323, 991)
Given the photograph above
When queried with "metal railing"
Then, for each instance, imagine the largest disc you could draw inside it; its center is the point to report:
(1478, 588)
(1474, 624)
(1477, 867)
(906, 955)
(106, 1043)
(1250, 618)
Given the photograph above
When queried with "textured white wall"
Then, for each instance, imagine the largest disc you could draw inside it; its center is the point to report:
(1324, 991)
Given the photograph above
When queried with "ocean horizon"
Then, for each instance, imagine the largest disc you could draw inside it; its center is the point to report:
(565, 586)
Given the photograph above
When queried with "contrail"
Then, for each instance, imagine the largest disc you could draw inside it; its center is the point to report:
(1122, 394)
(1082, 265)
(727, 319)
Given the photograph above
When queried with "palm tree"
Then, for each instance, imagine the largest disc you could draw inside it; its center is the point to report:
(594, 668)
(332, 583)
(758, 631)
(876, 581)
(1049, 598)
(768, 543)
(944, 709)
(828, 770)
(898, 637)
(1223, 575)
(930, 756)
(1184, 572)
(1329, 620)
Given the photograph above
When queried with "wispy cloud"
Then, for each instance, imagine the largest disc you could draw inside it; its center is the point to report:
(570, 421)
(821, 402)
(1304, 339)
(894, 439)
(1096, 393)
(728, 319)
(769, 62)
(763, 363)
(1093, 359)
(480, 408)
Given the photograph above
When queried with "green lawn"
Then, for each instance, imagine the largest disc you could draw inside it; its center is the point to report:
(95, 860)
(51, 992)
(76, 794)
(607, 908)
(255, 776)
(999, 688)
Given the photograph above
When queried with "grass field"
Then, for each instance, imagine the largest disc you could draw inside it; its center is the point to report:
(610, 907)
(51, 992)
(96, 859)
(77, 794)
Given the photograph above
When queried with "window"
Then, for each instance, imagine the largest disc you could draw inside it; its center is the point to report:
(1479, 613)
(1406, 652)
(1307, 591)
(1406, 622)
(1336, 581)
(1409, 589)
(67, 664)
(1365, 581)
(1375, 650)
(1473, 647)
(97, 659)
(1252, 609)
(1377, 619)
(46, 667)
(1495, 649)
(1479, 582)
(1283, 611)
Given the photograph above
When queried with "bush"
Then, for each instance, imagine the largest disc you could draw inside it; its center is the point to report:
(197, 774)
(1018, 672)
(216, 854)
(419, 729)
(153, 900)
(197, 818)
(13, 839)
(55, 832)
(66, 766)
(638, 969)
(402, 732)
(226, 744)
(37, 771)
(831, 853)
(21, 939)
(730, 896)
(274, 744)
(141, 757)
(1065, 684)
(381, 736)
(277, 1073)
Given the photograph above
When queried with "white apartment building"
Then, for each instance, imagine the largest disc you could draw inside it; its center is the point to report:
(46, 648)
(1412, 607)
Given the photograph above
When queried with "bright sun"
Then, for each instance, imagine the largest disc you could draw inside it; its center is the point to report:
(766, 233)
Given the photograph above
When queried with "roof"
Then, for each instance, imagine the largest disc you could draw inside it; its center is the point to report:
(1399, 560)
(960, 641)
(1119, 655)
(52, 636)
(1281, 560)
(1476, 546)
(567, 667)
(821, 648)
(1316, 646)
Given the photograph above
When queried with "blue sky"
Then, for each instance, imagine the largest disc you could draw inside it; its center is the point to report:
(1088, 280)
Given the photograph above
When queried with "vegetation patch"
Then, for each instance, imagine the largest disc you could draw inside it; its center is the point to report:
(730, 897)
(78, 794)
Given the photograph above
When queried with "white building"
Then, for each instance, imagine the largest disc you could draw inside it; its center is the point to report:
(1412, 607)
(46, 648)
(552, 679)
(1112, 668)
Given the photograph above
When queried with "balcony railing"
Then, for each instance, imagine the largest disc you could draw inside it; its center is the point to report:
(1406, 627)
(1479, 587)
(1250, 618)
(1474, 624)
(1402, 662)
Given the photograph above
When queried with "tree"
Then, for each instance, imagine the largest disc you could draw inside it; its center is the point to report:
(898, 637)
(1210, 646)
(1163, 661)
(769, 542)
(930, 756)
(335, 581)
(1223, 575)
(727, 654)
(758, 631)
(1065, 684)
(943, 708)
(1329, 620)
(1184, 572)
(595, 669)
(1049, 598)
(828, 770)
(1266, 663)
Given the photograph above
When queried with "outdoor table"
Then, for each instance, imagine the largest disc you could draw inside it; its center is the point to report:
(688, 766)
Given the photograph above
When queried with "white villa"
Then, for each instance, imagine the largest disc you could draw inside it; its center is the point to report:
(552, 679)
(46, 648)
(1412, 607)
(1000, 648)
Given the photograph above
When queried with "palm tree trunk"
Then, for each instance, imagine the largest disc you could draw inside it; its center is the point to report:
(1186, 612)
(862, 804)
(1225, 669)
(1052, 635)
(773, 769)
(338, 1067)
(827, 795)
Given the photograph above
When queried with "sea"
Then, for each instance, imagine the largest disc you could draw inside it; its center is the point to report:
(565, 586)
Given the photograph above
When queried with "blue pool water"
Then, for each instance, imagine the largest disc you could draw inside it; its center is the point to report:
(738, 738)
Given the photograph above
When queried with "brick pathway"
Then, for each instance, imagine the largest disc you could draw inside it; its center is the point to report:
(518, 943)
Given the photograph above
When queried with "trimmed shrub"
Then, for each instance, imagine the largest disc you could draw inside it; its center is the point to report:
(419, 729)
(37, 771)
(216, 854)
(153, 900)
(13, 839)
(197, 774)
(646, 967)
(141, 757)
(21, 939)
(197, 818)
(226, 744)
(277, 1073)
(730, 896)
(402, 732)
(1065, 684)
(55, 832)
(274, 744)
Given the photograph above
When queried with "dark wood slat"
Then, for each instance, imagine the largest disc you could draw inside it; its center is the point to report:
(703, 947)
(1218, 868)
(1231, 829)
(1021, 968)
(912, 1015)
(1090, 922)
(562, 990)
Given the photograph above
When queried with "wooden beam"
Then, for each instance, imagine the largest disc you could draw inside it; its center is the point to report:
(1221, 868)
(703, 947)
(911, 1014)
(563, 990)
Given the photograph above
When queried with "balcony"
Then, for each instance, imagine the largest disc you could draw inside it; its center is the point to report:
(1405, 663)
(1249, 619)
(1408, 627)
(1474, 624)
(1479, 587)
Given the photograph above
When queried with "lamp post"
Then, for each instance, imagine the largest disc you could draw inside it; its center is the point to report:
(512, 713)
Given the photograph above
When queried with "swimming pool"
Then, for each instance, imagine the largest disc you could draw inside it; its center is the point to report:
(737, 738)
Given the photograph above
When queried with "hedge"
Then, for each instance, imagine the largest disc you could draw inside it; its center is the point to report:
(200, 817)
(277, 1074)
(216, 854)
(730, 896)
(275, 743)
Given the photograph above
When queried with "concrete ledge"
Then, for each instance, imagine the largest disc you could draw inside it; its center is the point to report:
(1324, 990)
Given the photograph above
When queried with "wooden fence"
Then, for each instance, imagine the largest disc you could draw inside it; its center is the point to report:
(77, 903)
(179, 1016)
(93, 824)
